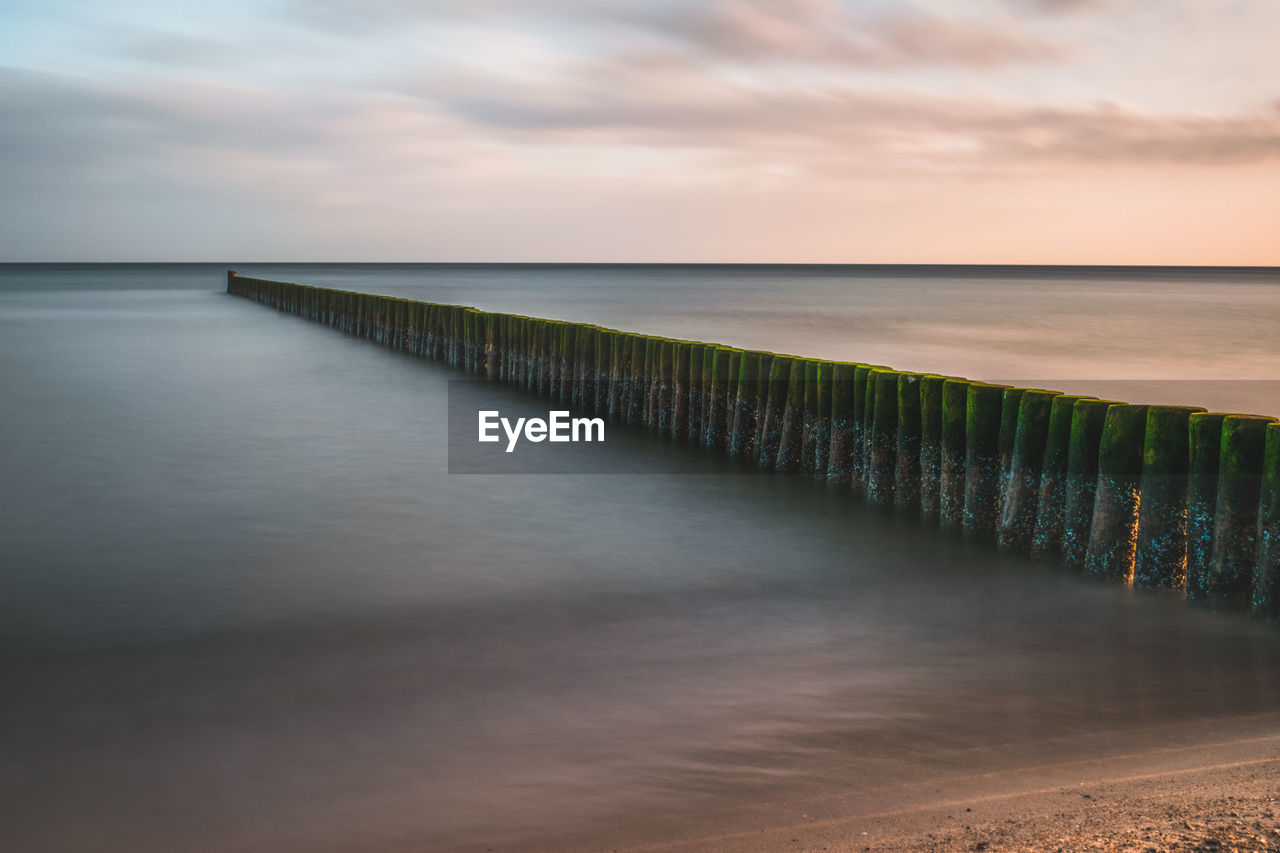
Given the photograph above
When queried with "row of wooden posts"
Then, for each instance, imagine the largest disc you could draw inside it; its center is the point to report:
(1164, 497)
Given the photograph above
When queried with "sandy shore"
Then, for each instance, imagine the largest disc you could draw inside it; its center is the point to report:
(1224, 808)
(1219, 792)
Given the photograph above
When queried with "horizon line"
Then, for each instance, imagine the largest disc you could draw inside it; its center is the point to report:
(859, 264)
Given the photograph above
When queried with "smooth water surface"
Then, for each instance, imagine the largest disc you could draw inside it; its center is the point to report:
(244, 607)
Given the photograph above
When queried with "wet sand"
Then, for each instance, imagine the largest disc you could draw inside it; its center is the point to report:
(1210, 786)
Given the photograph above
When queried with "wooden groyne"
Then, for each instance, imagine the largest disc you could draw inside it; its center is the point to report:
(1161, 497)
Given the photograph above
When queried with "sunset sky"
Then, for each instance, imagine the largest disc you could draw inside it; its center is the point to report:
(969, 131)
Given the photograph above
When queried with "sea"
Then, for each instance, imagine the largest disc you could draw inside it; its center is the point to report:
(244, 606)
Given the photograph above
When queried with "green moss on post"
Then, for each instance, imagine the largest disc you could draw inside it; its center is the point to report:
(840, 454)
(719, 405)
(1265, 603)
(1113, 533)
(501, 363)
(419, 328)
(652, 357)
(554, 352)
(555, 359)
(1235, 530)
(414, 321)
(809, 406)
(1051, 507)
(790, 456)
(820, 423)
(930, 445)
(620, 373)
(583, 356)
(861, 426)
(563, 365)
(982, 457)
(487, 363)
(1081, 488)
(659, 388)
(773, 410)
(906, 483)
(469, 335)
(708, 398)
(1204, 454)
(462, 328)
(952, 464)
(604, 370)
(637, 384)
(696, 407)
(679, 424)
(569, 379)
(513, 361)
(520, 349)
(448, 343)
(1022, 481)
(882, 396)
(731, 390)
(443, 330)
(744, 416)
(539, 341)
(666, 387)
(568, 361)
(1161, 558)
(1008, 432)
(596, 366)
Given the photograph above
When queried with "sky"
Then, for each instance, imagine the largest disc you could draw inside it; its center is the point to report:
(786, 131)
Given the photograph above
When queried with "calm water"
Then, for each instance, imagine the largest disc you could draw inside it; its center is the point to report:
(243, 607)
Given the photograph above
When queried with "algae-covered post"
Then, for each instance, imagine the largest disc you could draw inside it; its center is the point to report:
(861, 426)
(638, 385)
(680, 391)
(1026, 465)
(718, 402)
(882, 393)
(1161, 558)
(693, 429)
(951, 454)
(790, 455)
(584, 369)
(666, 387)
(840, 455)
(1266, 582)
(1235, 531)
(820, 425)
(1051, 507)
(930, 445)
(982, 457)
(906, 477)
(1081, 487)
(1113, 534)
(1009, 405)
(708, 398)
(773, 411)
(1204, 450)
(751, 393)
